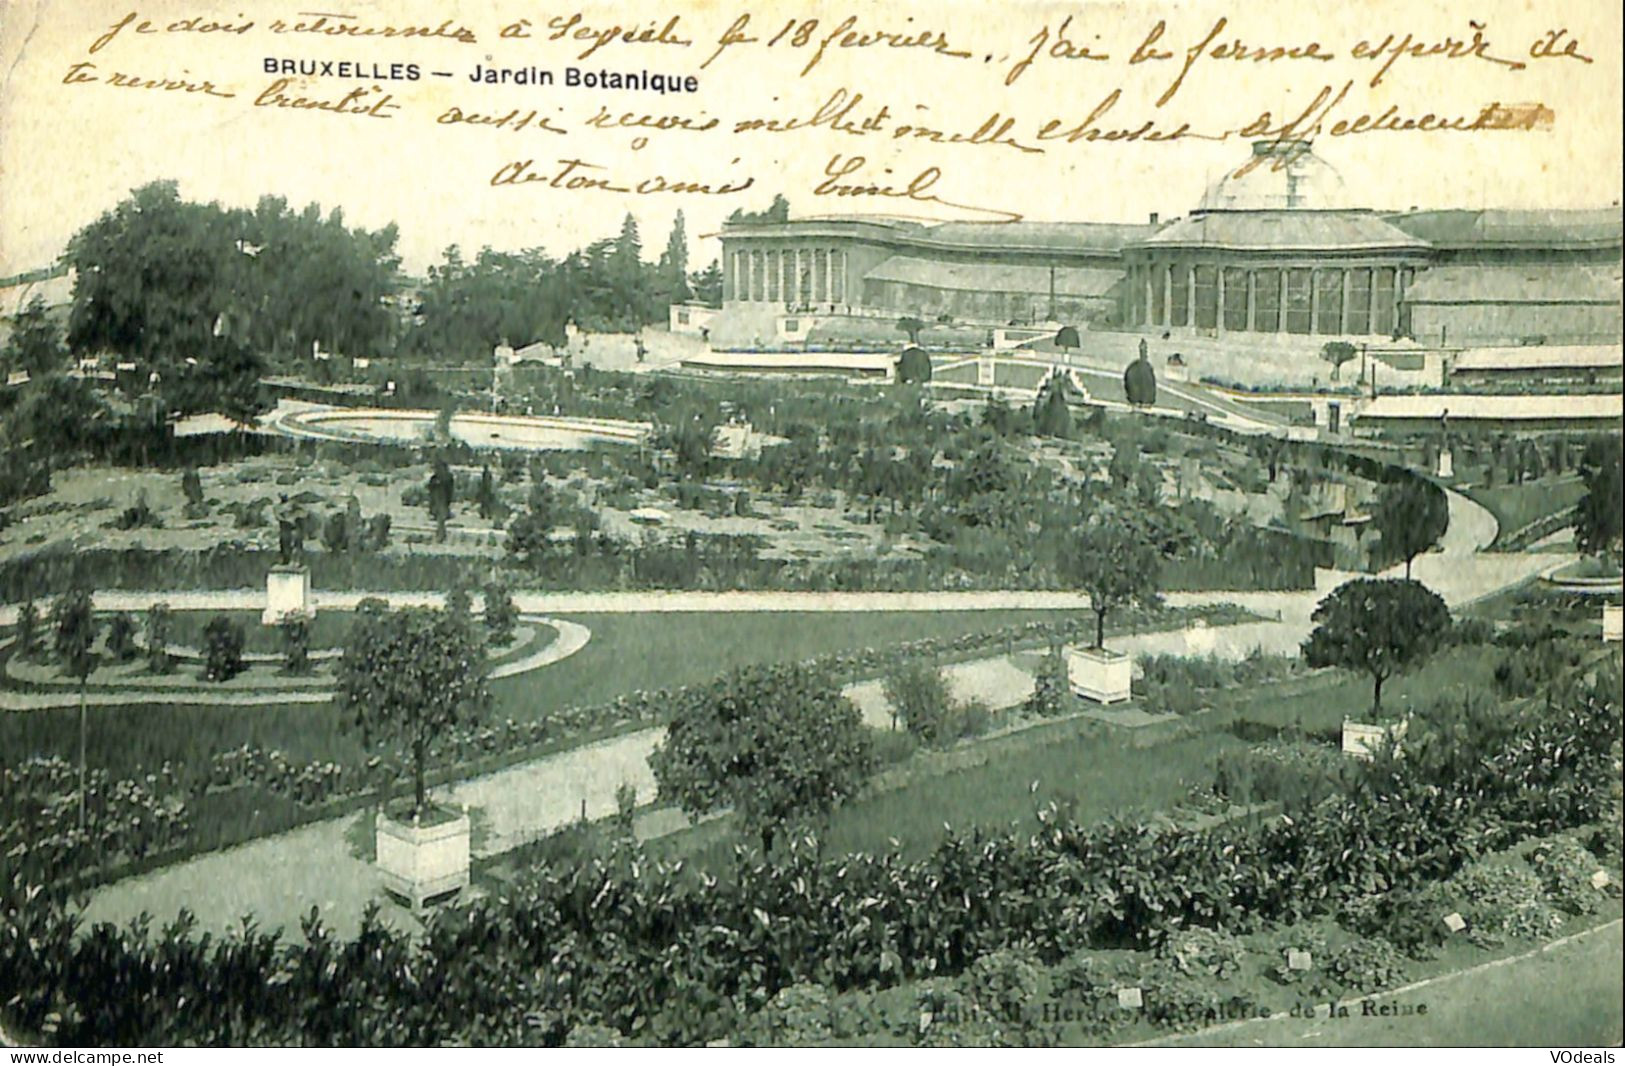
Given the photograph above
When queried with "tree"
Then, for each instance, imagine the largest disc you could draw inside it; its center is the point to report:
(407, 677)
(336, 532)
(911, 326)
(1411, 516)
(1051, 415)
(1337, 353)
(1140, 383)
(918, 695)
(1050, 688)
(35, 344)
(223, 640)
(442, 490)
(121, 637)
(913, 366)
(1116, 563)
(707, 285)
(192, 489)
(27, 639)
(1066, 338)
(501, 615)
(486, 495)
(295, 645)
(1381, 626)
(1597, 518)
(158, 660)
(673, 265)
(774, 742)
(73, 622)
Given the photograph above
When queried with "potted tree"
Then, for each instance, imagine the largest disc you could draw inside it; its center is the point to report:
(1116, 564)
(406, 677)
(1381, 626)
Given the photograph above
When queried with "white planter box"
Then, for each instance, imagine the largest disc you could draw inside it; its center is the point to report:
(1447, 465)
(1364, 739)
(1100, 674)
(422, 862)
(287, 595)
(1613, 623)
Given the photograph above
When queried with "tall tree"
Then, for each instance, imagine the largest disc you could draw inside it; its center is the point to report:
(1380, 626)
(776, 743)
(73, 623)
(706, 285)
(673, 266)
(409, 676)
(1411, 516)
(442, 490)
(1116, 562)
(35, 344)
(1598, 517)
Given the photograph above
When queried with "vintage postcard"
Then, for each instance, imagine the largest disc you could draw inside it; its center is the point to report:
(782, 523)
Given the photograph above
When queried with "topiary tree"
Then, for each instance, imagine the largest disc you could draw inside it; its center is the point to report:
(442, 491)
(918, 695)
(73, 626)
(486, 495)
(913, 366)
(28, 623)
(501, 615)
(1050, 688)
(1116, 563)
(1598, 517)
(1337, 353)
(1066, 338)
(912, 326)
(776, 743)
(158, 660)
(295, 645)
(1411, 516)
(192, 489)
(1140, 383)
(121, 637)
(223, 640)
(407, 677)
(1381, 626)
(1051, 415)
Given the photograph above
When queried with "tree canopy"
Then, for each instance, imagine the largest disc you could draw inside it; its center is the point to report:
(408, 676)
(1115, 560)
(1381, 626)
(776, 743)
(1411, 515)
(1140, 382)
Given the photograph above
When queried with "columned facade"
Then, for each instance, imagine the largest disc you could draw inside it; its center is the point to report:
(1268, 294)
(794, 276)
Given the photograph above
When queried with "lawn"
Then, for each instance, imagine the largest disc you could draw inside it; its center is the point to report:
(1105, 771)
(627, 652)
(1515, 506)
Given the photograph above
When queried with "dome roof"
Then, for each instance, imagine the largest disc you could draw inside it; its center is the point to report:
(1280, 176)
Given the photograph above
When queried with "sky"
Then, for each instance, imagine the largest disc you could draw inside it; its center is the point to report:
(70, 151)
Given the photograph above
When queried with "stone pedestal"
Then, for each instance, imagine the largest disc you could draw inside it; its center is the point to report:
(1447, 466)
(1100, 674)
(1613, 623)
(423, 861)
(287, 595)
(1364, 739)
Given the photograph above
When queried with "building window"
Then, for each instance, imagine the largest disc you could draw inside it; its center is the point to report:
(1360, 300)
(1382, 302)
(1207, 297)
(1299, 299)
(1330, 302)
(1267, 301)
(1180, 298)
(1235, 299)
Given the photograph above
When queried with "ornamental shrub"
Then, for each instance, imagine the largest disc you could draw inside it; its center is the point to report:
(1503, 898)
(1200, 951)
(798, 1015)
(223, 641)
(1565, 868)
(1370, 965)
